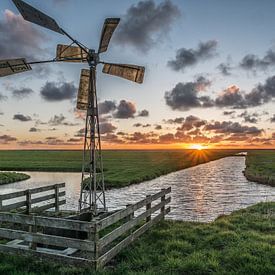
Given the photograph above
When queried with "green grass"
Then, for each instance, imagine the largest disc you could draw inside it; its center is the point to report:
(121, 167)
(241, 243)
(260, 166)
(9, 177)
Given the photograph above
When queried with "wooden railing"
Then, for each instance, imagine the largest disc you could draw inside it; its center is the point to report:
(101, 239)
(25, 201)
(134, 226)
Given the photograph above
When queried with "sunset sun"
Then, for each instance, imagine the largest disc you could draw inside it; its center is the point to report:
(197, 146)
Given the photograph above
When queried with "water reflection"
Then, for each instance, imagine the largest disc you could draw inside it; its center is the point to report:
(200, 193)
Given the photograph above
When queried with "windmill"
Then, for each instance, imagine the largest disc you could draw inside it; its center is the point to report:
(92, 194)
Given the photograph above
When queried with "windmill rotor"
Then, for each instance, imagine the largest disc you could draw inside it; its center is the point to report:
(92, 194)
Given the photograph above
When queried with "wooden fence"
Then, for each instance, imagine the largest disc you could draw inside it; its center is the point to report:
(100, 241)
(25, 201)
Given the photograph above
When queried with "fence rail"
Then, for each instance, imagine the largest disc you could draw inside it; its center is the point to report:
(103, 239)
(29, 204)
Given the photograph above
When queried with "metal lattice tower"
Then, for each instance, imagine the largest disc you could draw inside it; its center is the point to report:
(92, 194)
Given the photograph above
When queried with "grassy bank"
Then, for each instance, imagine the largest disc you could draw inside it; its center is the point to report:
(260, 166)
(121, 167)
(241, 243)
(9, 177)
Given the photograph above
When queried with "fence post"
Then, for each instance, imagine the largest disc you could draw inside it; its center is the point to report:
(32, 229)
(56, 190)
(131, 216)
(148, 207)
(163, 207)
(95, 238)
(28, 201)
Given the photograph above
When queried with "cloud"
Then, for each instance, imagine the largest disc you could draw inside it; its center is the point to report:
(53, 91)
(19, 38)
(30, 142)
(22, 93)
(112, 138)
(125, 109)
(57, 120)
(74, 140)
(106, 107)
(158, 127)
(167, 138)
(143, 113)
(145, 23)
(231, 97)
(22, 118)
(6, 139)
(142, 125)
(138, 137)
(177, 120)
(192, 129)
(253, 62)
(225, 69)
(33, 129)
(190, 57)
(197, 130)
(250, 118)
(262, 93)
(272, 119)
(60, 120)
(185, 96)
(191, 122)
(42, 70)
(54, 141)
(228, 113)
(107, 128)
(229, 127)
(80, 133)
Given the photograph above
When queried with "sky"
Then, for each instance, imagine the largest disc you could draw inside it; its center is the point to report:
(208, 82)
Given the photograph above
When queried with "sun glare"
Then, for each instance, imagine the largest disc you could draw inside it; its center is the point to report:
(197, 146)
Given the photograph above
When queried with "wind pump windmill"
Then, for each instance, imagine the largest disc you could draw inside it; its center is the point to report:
(92, 195)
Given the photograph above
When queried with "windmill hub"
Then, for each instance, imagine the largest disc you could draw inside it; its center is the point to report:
(93, 58)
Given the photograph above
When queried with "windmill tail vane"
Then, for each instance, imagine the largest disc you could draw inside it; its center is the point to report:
(92, 194)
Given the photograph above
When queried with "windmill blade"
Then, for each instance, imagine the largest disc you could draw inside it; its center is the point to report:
(83, 90)
(13, 66)
(130, 72)
(108, 29)
(33, 15)
(69, 53)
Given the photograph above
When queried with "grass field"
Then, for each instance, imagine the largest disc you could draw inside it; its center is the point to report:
(121, 167)
(241, 243)
(9, 177)
(260, 166)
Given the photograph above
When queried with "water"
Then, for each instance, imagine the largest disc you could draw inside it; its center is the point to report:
(200, 193)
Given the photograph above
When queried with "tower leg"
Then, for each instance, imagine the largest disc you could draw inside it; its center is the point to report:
(92, 195)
